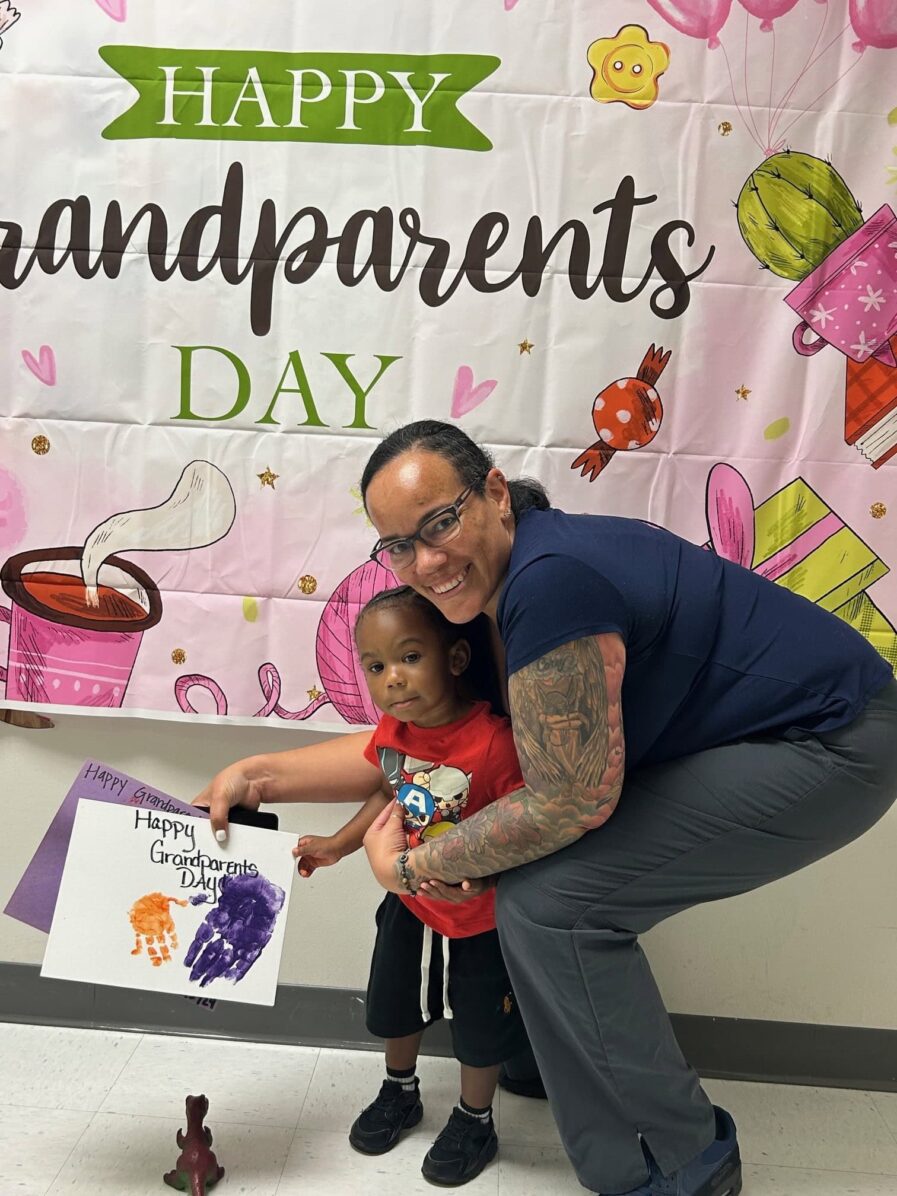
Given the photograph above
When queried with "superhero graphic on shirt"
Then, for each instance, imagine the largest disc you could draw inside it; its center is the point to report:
(433, 795)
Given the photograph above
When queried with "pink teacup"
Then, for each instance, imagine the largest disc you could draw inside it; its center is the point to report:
(850, 299)
(62, 650)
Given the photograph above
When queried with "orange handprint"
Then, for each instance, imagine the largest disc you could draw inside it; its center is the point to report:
(151, 919)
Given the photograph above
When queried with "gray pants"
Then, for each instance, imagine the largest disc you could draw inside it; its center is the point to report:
(697, 829)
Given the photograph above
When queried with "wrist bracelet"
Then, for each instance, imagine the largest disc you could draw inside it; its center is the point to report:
(404, 876)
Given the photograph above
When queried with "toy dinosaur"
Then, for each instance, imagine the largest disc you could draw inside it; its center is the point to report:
(197, 1168)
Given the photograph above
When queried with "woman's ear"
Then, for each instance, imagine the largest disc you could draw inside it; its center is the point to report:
(459, 657)
(497, 489)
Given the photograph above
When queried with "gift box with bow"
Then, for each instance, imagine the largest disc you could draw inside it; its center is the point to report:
(795, 539)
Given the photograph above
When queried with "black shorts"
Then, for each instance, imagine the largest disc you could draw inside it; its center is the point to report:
(486, 1024)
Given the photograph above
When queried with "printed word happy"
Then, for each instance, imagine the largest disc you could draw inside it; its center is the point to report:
(269, 95)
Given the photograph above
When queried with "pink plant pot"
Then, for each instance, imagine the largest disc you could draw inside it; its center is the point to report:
(850, 299)
(64, 658)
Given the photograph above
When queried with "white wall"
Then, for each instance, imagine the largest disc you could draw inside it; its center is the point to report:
(820, 946)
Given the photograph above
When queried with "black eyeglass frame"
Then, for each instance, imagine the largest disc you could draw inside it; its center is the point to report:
(453, 509)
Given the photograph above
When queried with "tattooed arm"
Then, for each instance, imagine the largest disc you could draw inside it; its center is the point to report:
(568, 729)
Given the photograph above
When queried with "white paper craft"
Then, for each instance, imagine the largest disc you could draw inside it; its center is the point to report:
(150, 901)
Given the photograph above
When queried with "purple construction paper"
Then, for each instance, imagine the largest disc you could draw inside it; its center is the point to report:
(34, 899)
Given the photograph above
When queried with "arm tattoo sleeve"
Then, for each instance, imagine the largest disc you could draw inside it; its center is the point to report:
(568, 729)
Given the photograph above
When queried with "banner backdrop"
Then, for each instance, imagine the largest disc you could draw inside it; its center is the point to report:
(646, 250)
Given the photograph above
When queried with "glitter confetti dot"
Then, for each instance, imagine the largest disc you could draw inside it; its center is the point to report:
(40, 445)
(250, 609)
(878, 510)
(724, 127)
(308, 584)
(777, 428)
(178, 656)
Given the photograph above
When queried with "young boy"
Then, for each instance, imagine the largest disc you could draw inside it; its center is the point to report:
(443, 756)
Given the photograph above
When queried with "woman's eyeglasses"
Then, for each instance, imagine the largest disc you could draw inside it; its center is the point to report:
(436, 531)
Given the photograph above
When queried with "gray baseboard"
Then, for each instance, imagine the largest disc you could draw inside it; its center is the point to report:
(718, 1047)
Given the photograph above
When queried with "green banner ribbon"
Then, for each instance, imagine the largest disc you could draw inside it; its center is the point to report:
(267, 95)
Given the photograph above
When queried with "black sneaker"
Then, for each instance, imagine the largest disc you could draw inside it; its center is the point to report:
(520, 1075)
(531, 1087)
(378, 1127)
(461, 1151)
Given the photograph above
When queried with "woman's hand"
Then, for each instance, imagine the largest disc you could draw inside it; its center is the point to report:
(231, 787)
(384, 842)
(317, 851)
(457, 893)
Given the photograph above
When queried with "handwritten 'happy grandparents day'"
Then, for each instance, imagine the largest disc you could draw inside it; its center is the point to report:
(194, 869)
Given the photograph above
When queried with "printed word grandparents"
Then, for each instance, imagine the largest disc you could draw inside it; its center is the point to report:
(373, 241)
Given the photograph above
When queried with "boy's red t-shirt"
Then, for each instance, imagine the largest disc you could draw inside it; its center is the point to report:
(441, 775)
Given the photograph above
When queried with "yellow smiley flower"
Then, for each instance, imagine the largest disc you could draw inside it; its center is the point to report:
(627, 67)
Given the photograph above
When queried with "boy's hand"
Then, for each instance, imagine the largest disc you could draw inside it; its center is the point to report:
(316, 851)
(457, 893)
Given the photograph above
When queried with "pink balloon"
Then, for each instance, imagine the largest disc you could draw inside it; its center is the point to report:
(767, 10)
(696, 18)
(874, 22)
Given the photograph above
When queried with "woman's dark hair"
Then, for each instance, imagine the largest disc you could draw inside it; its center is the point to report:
(470, 460)
(479, 682)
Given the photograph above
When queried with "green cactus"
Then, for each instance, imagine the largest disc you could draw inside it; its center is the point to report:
(793, 210)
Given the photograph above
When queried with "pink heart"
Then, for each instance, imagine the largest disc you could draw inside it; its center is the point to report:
(117, 9)
(465, 395)
(509, 4)
(44, 366)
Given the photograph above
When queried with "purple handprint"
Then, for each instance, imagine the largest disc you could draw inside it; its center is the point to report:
(233, 935)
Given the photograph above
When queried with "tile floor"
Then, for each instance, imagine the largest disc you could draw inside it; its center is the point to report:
(95, 1112)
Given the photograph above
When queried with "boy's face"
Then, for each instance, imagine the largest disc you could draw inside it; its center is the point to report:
(410, 670)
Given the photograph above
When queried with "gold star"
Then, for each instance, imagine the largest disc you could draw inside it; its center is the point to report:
(525, 346)
(314, 693)
(742, 392)
(268, 478)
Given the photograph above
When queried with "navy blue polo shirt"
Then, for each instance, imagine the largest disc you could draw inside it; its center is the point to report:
(714, 652)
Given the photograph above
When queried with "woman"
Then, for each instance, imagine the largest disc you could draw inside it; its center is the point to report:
(759, 737)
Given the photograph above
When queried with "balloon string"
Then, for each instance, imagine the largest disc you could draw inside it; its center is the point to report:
(747, 90)
(812, 62)
(772, 72)
(270, 683)
(819, 97)
(754, 138)
(789, 91)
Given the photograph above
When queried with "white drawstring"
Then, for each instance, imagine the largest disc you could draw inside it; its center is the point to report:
(446, 1007)
(425, 973)
(425, 960)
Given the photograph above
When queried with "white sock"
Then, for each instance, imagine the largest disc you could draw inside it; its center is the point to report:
(404, 1077)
